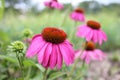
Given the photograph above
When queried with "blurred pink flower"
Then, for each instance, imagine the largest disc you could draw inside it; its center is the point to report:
(92, 31)
(28, 40)
(52, 48)
(78, 15)
(90, 53)
(53, 4)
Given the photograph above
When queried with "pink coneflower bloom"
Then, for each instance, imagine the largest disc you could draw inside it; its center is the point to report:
(92, 31)
(53, 4)
(52, 48)
(78, 15)
(90, 53)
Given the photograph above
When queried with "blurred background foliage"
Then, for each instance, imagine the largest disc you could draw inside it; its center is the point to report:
(14, 20)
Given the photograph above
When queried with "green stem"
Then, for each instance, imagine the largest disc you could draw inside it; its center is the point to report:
(20, 64)
(45, 74)
(74, 66)
(28, 73)
(72, 31)
(81, 68)
(65, 16)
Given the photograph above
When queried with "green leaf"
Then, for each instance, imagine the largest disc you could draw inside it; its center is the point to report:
(28, 63)
(8, 58)
(1, 8)
(56, 75)
(40, 67)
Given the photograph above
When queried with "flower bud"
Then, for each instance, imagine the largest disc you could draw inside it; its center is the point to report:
(27, 33)
(17, 47)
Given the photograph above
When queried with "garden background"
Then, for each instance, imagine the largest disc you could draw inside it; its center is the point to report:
(14, 19)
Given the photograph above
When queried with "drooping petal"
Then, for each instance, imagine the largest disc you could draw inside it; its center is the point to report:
(36, 44)
(69, 46)
(41, 53)
(59, 58)
(56, 5)
(83, 55)
(53, 57)
(81, 17)
(47, 54)
(87, 57)
(85, 32)
(92, 54)
(100, 38)
(77, 53)
(66, 53)
(95, 39)
(100, 54)
(90, 36)
(104, 35)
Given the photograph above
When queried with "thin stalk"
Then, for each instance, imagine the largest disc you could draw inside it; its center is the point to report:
(28, 73)
(20, 64)
(81, 68)
(72, 31)
(74, 66)
(65, 16)
(45, 74)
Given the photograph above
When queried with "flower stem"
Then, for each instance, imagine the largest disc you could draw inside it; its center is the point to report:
(65, 16)
(74, 66)
(72, 31)
(20, 64)
(45, 74)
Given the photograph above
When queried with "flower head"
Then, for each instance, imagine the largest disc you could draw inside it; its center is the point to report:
(90, 53)
(27, 33)
(52, 48)
(78, 15)
(92, 31)
(17, 47)
(53, 4)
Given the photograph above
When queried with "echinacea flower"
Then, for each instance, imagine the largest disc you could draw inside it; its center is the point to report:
(92, 32)
(90, 53)
(78, 15)
(52, 48)
(53, 4)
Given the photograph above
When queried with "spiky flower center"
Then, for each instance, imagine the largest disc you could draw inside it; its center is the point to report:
(53, 35)
(79, 10)
(90, 45)
(93, 24)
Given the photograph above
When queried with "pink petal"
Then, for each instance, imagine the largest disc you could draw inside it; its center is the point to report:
(100, 38)
(47, 55)
(87, 58)
(104, 35)
(81, 17)
(89, 36)
(59, 58)
(92, 54)
(36, 44)
(56, 5)
(85, 32)
(77, 54)
(42, 52)
(53, 57)
(95, 39)
(100, 54)
(67, 55)
(83, 55)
